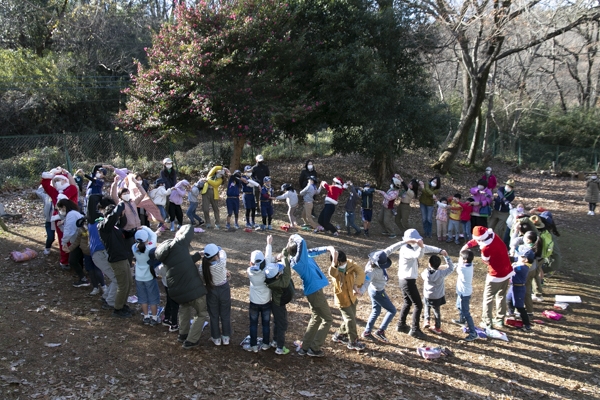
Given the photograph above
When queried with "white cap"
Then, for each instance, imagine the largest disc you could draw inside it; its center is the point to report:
(141, 235)
(259, 158)
(211, 250)
(272, 269)
(257, 257)
(167, 160)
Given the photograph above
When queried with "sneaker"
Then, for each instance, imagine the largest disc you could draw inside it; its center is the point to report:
(81, 283)
(402, 327)
(166, 322)
(225, 340)
(46, 252)
(459, 322)
(282, 351)
(122, 313)
(526, 328)
(104, 289)
(173, 328)
(208, 226)
(105, 306)
(449, 240)
(188, 345)
(227, 226)
(154, 322)
(592, 213)
(381, 336)
(315, 353)
(217, 227)
(94, 291)
(340, 338)
(146, 320)
(248, 226)
(247, 347)
(273, 344)
(316, 230)
(426, 324)
(260, 228)
(436, 330)
(302, 352)
(367, 335)
(66, 267)
(270, 227)
(416, 333)
(182, 337)
(356, 345)
(538, 299)
(265, 346)
(472, 337)
(216, 341)
(335, 234)
(236, 226)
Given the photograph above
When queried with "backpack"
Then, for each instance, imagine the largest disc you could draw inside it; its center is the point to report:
(547, 244)
(288, 294)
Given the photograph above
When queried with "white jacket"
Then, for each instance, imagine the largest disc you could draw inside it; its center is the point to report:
(70, 226)
(159, 195)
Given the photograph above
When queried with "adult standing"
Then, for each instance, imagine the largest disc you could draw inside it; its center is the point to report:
(504, 196)
(185, 284)
(210, 194)
(403, 209)
(592, 193)
(482, 201)
(490, 179)
(386, 215)
(308, 171)
(495, 256)
(308, 196)
(169, 175)
(259, 171)
(426, 202)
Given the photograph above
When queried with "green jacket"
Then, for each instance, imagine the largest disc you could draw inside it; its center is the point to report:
(278, 284)
(427, 195)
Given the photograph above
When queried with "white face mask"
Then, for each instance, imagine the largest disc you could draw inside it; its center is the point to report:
(62, 213)
(488, 172)
(433, 184)
(342, 268)
(139, 182)
(507, 189)
(126, 197)
(310, 167)
(168, 166)
(98, 175)
(480, 187)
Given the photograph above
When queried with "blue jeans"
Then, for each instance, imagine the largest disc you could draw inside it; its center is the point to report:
(426, 217)
(462, 304)
(265, 311)
(349, 219)
(191, 213)
(163, 214)
(380, 300)
(49, 234)
(466, 229)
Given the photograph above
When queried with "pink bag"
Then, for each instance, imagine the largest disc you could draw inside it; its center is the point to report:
(552, 315)
(25, 255)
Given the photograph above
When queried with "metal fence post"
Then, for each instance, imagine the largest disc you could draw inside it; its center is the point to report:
(68, 159)
(557, 152)
(519, 143)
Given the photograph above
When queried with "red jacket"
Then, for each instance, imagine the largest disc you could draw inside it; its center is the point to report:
(333, 192)
(495, 256)
(467, 209)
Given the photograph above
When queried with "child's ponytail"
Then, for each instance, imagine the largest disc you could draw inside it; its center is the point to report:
(206, 272)
(141, 247)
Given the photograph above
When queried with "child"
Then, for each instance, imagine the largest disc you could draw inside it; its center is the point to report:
(592, 193)
(434, 290)
(145, 278)
(81, 240)
(465, 217)
(236, 180)
(193, 200)
(525, 258)
(48, 211)
(218, 298)
(278, 280)
(350, 207)
(260, 298)
(178, 193)
(441, 219)
(378, 263)
(248, 197)
(291, 198)
(171, 312)
(454, 219)
(333, 193)
(266, 206)
(367, 206)
(308, 196)
(347, 279)
(464, 290)
(159, 197)
(96, 179)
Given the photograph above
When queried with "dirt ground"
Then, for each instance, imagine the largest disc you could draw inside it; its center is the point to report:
(99, 356)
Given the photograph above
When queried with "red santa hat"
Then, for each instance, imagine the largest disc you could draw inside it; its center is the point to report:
(338, 180)
(60, 177)
(483, 235)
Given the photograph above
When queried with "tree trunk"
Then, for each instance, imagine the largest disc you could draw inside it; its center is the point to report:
(475, 141)
(486, 147)
(238, 147)
(383, 166)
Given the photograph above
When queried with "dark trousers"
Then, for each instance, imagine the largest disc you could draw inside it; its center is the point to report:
(76, 262)
(281, 324)
(49, 234)
(410, 294)
(325, 218)
(171, 309)
(96, 276)
(176, 213)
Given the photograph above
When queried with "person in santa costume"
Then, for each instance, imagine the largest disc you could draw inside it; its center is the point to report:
(58, 183)
(495, 256)
(333, 194)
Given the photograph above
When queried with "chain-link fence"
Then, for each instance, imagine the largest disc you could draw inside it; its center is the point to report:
(24, 158)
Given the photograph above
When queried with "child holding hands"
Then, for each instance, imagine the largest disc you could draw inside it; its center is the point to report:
(434, 289)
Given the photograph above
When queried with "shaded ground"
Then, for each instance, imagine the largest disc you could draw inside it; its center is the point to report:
(104, 357)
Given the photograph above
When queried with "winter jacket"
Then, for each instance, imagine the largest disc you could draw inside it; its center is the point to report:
(48, 207)
(112, 236)
(170, 177)
(159, 195)
(70, 227)
(214, 181)
(290, 197)
(503, 200)
(592, 194)
(344, 282)
(259, 171)
(178, 192)
(467, 209)
(427, 194)
(491, 181)
(484, 199)
(133, 218)
(193, 194)
(183, 277)
(309, 192)
(433, 281)
(495, 256)
(304, 175)
(233, 187)
(407, 197)
(312, 277)
(259, 291)
(352, 199)
(464, 279)
(280, 283)
(333, 193)
(408, 263)
(389, 197)
(81, 240)
(367, 198)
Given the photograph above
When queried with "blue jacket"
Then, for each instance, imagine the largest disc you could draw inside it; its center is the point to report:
(94, 237)
(233, 187)
(312, 277)
(520, 276)
(501, 203)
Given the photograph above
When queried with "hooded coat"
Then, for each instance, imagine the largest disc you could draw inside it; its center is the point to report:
(312, 277)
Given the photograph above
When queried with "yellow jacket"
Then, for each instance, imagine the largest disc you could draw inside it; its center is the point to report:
(213, 181)
(343, 283)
